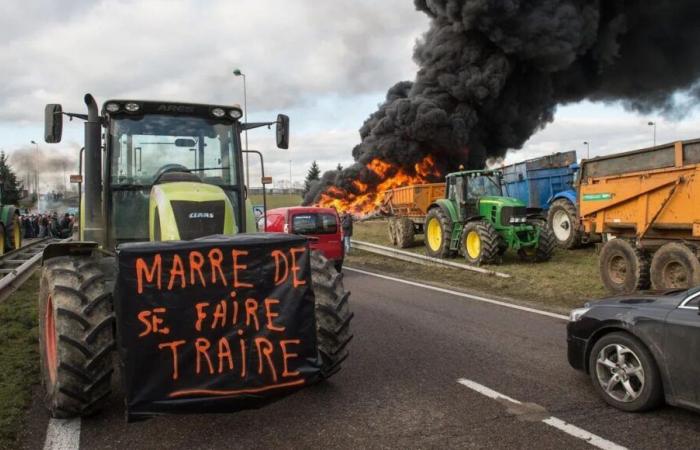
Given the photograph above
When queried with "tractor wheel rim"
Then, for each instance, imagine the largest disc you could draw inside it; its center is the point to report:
(473, 244)
(2, 242)
(50, 340)
(434, 235)
(561, 225)
(675, 275)
(617, 268)
(620, 373)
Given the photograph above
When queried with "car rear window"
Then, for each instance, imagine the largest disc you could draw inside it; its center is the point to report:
(314, 223)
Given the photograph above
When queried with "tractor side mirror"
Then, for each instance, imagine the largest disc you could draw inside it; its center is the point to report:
(282, 131)
(53, 123)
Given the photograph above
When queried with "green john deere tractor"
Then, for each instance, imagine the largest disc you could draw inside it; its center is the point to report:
(153, 171)
(479, 223)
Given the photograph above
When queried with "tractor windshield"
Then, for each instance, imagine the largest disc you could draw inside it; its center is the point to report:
(484, 186)
(143, 146)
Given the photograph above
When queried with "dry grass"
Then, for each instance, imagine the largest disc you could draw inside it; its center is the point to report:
(566, 281)
(277, 200)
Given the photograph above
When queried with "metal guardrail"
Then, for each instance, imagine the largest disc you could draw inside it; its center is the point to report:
(18, 265)
(419, 259)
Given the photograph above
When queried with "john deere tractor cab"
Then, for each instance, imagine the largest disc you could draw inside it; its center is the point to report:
(479, 223)
(162, 171)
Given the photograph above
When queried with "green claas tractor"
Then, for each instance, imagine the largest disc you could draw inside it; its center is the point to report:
(153, 171)
(479, 223)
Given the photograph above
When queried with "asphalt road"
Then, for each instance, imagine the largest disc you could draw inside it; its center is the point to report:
(399, 389)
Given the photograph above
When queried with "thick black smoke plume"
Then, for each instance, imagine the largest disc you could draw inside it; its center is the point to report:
(493, 71)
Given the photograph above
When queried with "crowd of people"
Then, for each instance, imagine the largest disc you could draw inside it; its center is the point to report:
(41, 225)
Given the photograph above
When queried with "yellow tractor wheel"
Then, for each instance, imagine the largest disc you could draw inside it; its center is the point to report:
(16, 233)
(3, 240)
(481, 243)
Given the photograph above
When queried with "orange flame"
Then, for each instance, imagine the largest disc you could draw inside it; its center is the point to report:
(365, 199)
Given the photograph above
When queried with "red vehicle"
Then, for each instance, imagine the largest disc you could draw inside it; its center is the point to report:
(322, 225)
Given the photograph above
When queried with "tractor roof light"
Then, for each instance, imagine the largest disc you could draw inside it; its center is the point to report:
(112, 107)
(218, 112)
(235, 113)
(132, 107)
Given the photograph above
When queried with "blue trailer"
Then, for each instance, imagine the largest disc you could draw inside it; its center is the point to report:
(548, 183)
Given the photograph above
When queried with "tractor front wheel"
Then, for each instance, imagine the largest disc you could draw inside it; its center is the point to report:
(76, 336)
(438, 232)
(545, 245)
(564, 224)
(333, 314)
(481, 243)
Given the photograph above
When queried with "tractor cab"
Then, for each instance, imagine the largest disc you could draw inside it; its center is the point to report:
(467, 188)
(169, 171)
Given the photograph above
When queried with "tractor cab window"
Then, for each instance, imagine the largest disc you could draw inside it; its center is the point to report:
(483, 186)
(143, 147)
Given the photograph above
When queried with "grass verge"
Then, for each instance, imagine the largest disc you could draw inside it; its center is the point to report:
(19, 359)
(566, 281)
(277, 200)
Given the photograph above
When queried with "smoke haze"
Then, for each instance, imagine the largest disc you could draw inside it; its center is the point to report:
(492, 72)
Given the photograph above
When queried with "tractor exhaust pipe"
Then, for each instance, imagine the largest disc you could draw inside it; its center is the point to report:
(94, 224)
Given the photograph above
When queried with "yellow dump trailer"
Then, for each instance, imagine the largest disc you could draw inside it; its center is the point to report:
(646, 204)
(408, 207)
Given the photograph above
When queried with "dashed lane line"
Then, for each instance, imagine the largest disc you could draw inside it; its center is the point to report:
(571, 430)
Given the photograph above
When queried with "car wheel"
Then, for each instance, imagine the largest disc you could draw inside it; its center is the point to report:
(624, 373)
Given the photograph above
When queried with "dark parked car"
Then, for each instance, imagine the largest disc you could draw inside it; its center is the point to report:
(640, 349)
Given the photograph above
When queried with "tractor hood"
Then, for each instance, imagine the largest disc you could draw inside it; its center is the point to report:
(502, 201)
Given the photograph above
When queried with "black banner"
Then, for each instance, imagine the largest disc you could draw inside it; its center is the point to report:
(215, 324)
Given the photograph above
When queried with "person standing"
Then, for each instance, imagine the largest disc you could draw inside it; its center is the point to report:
(347, 231)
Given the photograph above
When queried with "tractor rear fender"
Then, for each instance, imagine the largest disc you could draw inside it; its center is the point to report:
(73, 248)
(447, 207)
(569, 195)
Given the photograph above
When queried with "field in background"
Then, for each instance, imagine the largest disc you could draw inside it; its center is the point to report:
(276, 200)
(19, 359)
(569, 279)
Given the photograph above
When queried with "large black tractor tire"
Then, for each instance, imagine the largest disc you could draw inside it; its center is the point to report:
(437, 233)
(480, 243)
(333, 314)
(545, 245)
(76, 336)
(623, 267)
(563, 222)
(405, 232)
(675, 266)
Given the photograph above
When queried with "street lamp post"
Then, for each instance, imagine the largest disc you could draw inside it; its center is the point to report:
(36, 170)
(588, 149)
(238, 73)
(653, 124)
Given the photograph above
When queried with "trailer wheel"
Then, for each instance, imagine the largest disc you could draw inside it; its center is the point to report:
(480, 243)
(623, 267)
(404, 232)
(438, 232)
(674, 265)
(333, 314)
(391, 228)
(76, 336)
(564, 224)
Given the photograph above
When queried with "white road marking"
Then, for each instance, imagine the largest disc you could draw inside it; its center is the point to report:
(63, 434)
(571, 430)
(462, 294)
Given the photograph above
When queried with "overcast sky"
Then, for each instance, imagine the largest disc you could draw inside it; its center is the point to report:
(325, 64)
